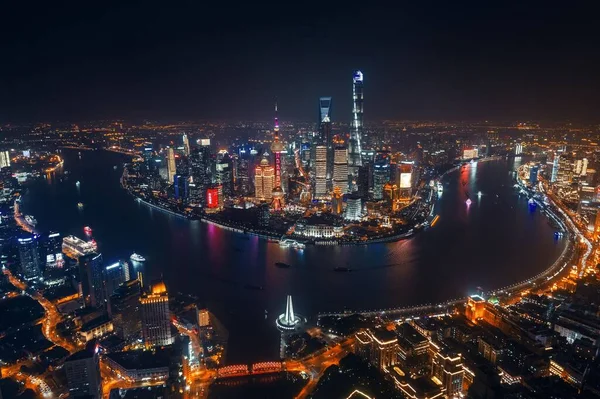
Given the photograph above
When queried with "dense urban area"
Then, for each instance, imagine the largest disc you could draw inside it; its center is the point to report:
(73, 324)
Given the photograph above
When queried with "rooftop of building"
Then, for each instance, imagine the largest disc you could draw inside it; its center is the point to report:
(383, 336)
(95, 323)
(409, 334)
(141, 359)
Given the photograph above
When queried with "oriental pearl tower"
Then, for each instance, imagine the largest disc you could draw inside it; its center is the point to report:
(277, 149)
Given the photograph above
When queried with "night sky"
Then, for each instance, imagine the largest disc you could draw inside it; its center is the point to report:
(219, 60)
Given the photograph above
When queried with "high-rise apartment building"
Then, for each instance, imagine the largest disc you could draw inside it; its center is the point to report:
(83, 373)
(321, 171)
(156, 321)
(171, 168)
(340, 168)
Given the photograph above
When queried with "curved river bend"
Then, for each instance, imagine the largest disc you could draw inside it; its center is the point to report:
(494, 242)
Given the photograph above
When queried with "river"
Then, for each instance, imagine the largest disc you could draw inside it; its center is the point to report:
(494, 242)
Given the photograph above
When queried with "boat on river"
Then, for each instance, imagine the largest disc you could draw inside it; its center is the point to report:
(137, 257)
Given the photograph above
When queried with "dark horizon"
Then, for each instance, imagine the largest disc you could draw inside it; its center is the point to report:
(186, 61)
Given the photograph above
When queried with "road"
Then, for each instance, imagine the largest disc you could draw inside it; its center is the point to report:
(52, 318)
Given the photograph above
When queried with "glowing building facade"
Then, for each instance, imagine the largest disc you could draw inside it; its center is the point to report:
(340, 168)
(356, 128)
(264, 180)
(156, 323)
(171, 169)
(321, 172)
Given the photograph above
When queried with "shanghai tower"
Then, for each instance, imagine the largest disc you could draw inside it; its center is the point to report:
(356, 127)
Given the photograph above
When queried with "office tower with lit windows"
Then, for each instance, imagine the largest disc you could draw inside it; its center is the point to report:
(200, 173)
(325, 135)
(156, 320)
(83, 373)
(181, 187)
(29, 256)
(171, 168)
(125, 310)
(381, 175)
(447, 368)
(224, 175)
(340, 168)
(115, 275)
(52, 245)
(91, 272)
(353, 208)
(186, 145)
(356, 127)
(321, 171)
(264, 180)
(4, 159)
(378, 347)
(243, 177)
(404, 179)
(203, 317)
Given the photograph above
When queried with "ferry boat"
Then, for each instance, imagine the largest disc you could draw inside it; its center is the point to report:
(80, 205)
(78, 183)
(137, 257)
(87, 230)
(531, 202)
(30, 220)
(440, 187)
(468, 201)
(288, 242)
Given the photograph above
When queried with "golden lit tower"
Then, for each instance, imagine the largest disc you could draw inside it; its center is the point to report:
(264, 180)
(156, 320)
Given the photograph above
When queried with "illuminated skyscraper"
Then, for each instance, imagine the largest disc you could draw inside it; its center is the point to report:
(381, 175)
(325, 136)
(115, 275)
(277, 148)
(156, 323)
(340, 168)
(186, 145)
(4, 159)
(353, 208)
(264, 180)
(336, 201)
(92, 278)
(171, 169)
(125, 310)
(321, 172)
(83, 373)
(29, 257)
(356, 128)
